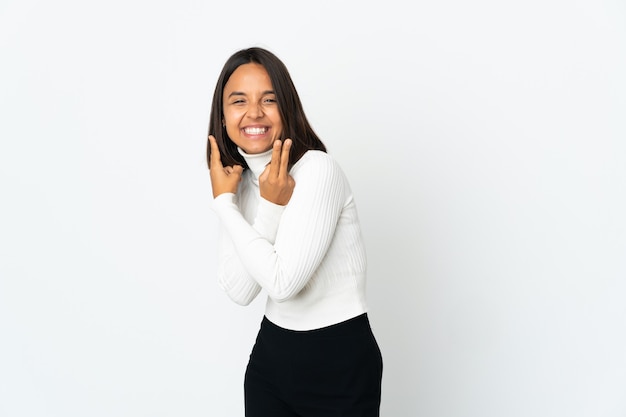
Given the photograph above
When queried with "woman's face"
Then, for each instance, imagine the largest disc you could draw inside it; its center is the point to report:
(251, 111)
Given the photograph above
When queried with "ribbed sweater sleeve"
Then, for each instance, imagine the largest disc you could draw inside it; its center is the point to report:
(303, 231)
(233, 277)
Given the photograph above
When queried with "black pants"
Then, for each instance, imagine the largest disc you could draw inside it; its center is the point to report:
(333, 371)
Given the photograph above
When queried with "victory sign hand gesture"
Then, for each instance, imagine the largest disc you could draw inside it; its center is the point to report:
(223, 179)
(275, 182)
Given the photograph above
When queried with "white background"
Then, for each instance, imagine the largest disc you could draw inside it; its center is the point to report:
(486, 145)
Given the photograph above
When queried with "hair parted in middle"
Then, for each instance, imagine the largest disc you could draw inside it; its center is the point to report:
(295, 124)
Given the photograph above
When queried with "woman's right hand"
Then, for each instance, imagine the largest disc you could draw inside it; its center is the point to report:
(275, 183)
(223, 179)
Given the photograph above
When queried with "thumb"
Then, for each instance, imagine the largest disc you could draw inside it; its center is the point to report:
(265, 173)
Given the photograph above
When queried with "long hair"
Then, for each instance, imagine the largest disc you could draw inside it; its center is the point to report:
(294, 121)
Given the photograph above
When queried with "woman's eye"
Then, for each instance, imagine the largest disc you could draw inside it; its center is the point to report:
(270, 100)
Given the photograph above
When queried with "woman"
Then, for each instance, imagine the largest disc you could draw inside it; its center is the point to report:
(289, 226)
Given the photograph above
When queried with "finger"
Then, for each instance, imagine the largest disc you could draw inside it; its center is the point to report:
(275, 162)
(216, 160)
(265, 173)
(237, 169)
(284, 157)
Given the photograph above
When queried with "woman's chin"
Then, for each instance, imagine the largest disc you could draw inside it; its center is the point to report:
(257, 147)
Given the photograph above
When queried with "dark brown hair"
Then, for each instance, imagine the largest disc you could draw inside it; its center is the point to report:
(295, 124)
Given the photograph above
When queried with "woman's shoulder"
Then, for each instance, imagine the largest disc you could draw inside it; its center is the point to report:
(318, 166)
(314, 159)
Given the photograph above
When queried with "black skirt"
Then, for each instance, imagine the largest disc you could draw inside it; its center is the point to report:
(332, 371)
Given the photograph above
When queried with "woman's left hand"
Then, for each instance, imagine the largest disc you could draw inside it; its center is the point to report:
(275, 183)
(223, 179)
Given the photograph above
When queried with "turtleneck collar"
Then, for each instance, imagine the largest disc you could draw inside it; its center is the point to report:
(257, 162)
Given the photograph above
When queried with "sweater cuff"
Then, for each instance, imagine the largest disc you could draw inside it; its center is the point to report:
(224, 202)
(267, 219)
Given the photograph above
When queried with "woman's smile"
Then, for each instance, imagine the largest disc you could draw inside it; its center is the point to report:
(251, 113)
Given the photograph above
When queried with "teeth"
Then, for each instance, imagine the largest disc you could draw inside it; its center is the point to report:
(255, 130)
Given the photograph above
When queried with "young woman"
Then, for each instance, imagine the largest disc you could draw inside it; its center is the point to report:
(289, 226)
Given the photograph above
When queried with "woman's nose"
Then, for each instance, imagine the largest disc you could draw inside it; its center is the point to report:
(255, 111)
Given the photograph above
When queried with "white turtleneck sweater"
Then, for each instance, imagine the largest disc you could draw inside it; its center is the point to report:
(308, 256)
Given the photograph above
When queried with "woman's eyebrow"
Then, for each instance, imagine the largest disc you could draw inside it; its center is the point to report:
(241, 93)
